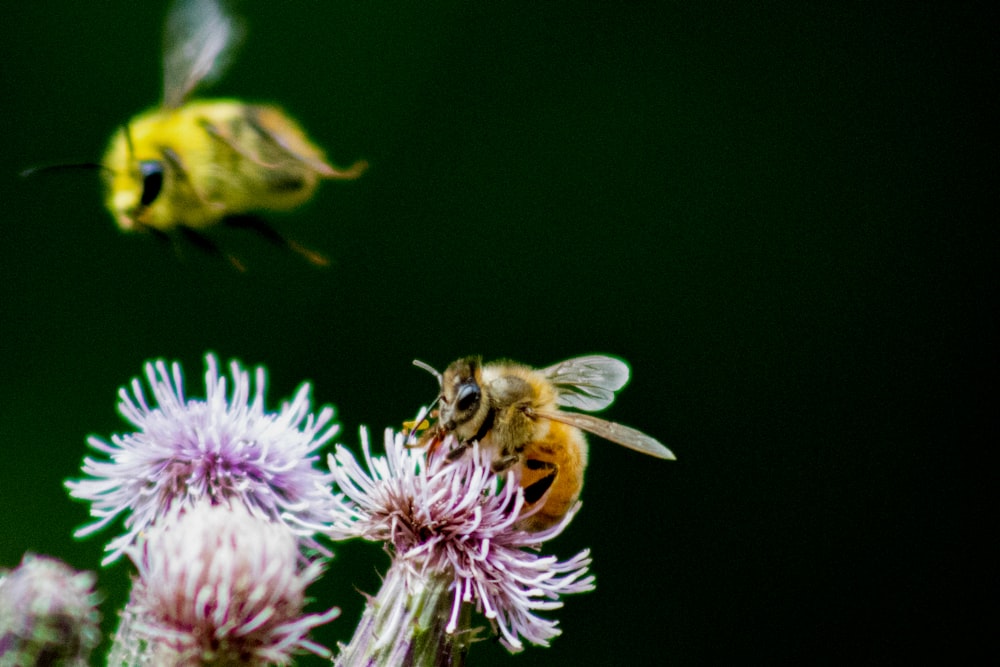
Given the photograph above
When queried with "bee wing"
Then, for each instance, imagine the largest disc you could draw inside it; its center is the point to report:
(617, 433)
(587, 383)
(199, 39)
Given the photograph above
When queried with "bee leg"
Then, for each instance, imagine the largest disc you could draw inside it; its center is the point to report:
(504, 463)
(163, 237)
(209, 246)
(257, 224)
(457, 451)
(537, 489)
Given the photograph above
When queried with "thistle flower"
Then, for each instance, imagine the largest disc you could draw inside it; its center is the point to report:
(48, 614)
(218, 586)
(450, 526)
(223, 449)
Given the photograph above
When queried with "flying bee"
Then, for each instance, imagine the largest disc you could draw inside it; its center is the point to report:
(190, 164)
(515, 412)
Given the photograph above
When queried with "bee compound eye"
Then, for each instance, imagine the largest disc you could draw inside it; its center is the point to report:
(468, 397)
(152, 181)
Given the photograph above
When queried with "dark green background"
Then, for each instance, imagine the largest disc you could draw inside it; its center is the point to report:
(769, 210)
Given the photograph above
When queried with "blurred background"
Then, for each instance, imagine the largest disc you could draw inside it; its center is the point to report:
(770, 211)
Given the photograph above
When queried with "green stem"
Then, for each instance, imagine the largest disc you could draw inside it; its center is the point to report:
(406, 624)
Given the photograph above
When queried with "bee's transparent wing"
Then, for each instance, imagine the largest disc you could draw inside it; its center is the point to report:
(587, 383)
(199, 39)
(617, 433)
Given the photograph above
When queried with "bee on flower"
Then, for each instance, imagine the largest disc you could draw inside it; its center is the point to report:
(451, 527)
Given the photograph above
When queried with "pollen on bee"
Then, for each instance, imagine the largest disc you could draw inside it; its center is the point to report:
(412, 425)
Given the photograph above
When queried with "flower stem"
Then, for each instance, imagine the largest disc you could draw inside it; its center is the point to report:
(406, 623)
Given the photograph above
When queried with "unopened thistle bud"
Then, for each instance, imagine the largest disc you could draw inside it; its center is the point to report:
(218, 586)
(48, 614)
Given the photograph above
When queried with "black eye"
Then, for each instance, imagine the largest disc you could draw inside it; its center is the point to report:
(468, 397)
(152, 181)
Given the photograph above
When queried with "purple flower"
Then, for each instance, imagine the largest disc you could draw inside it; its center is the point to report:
(223, 448)
(218, 585)
(451, 528)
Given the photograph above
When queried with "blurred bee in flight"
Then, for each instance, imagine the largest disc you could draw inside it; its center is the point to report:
(514, 412)
(189, 164)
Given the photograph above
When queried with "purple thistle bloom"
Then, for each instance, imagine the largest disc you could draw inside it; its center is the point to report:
(451, 522)
(221, 448)
(217, 585)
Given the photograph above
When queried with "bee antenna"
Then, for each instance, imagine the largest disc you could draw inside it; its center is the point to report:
(128, 140)
(48, 168)
(430, 369)
(421, 416)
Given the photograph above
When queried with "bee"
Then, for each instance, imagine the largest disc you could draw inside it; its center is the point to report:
(189, 164)
(515, 412)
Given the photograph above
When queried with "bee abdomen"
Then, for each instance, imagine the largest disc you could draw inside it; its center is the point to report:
(534, 491)
(278, 181)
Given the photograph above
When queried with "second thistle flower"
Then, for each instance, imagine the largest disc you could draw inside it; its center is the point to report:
(225, 447)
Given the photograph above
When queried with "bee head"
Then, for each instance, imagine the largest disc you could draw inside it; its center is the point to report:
(134, 184)
(464, 407)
